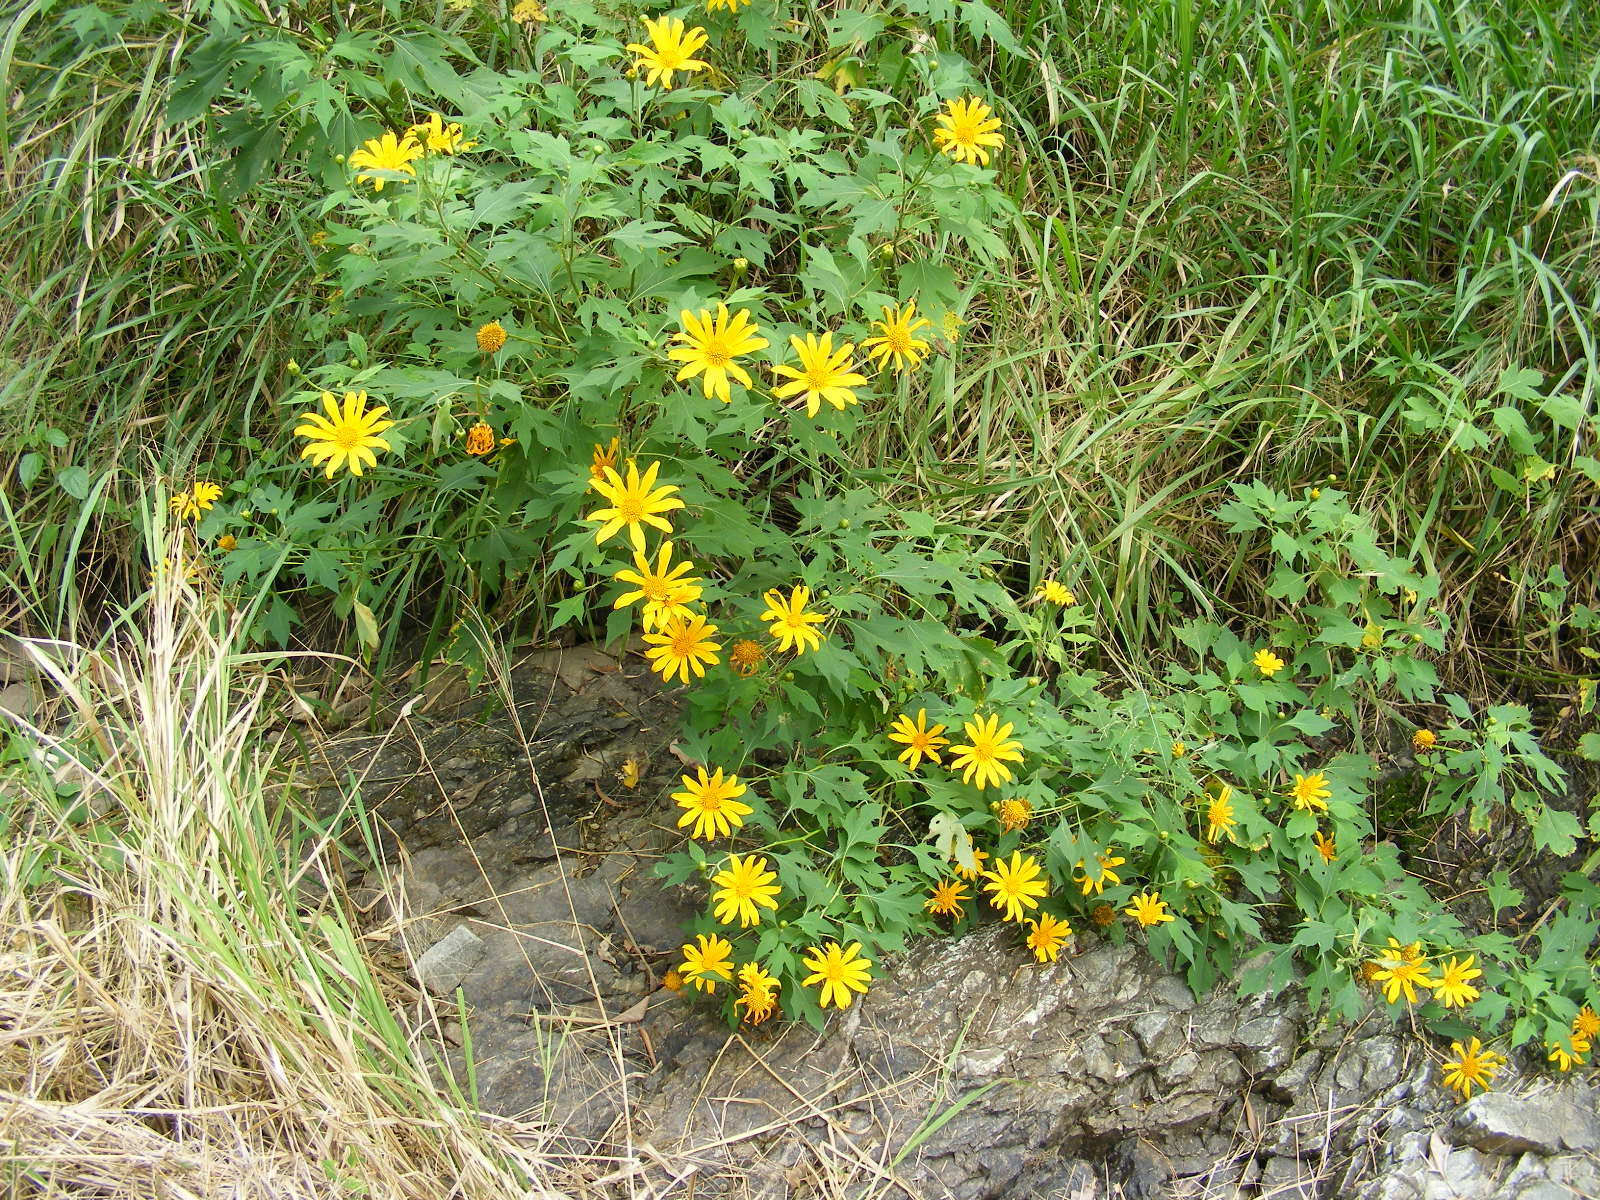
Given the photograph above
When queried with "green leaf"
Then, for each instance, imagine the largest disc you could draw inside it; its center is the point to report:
(74, 481)
(366, 626)
(1556, 831)
(1589, 746)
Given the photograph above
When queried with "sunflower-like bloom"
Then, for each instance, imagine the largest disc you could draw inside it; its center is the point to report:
(188, 505)
(966, 130)
(840, 971)
(1402, 971)
(1325, 845)
(758, 993)
(480, 439)
(1311, 791)
(1424, 740)
(529, 12)
(1268, 663)
(684, 645)
(746, 657)
(946, 898)
(791, 624)
(1016, 884)
(440, 138)
(391, 153)
(731, 5)
(919, 740)
(1473, 1066)
(1566, 1057)
(744, 888)
(1454, 988)
(1148, 908)
(706, 960)
(711, 349)
(983, 759)
(1586, 1024)
(823, 374)
(603, 457)
(1094, 882)
(667, 591)
(347, 436)
(711, 804)
(1219, 815)
(635, 503)
(978, 859)
(1056, 593)
(671, 49)
(1014, 814)
(897, 343)
(491, 337)
(1046, 936)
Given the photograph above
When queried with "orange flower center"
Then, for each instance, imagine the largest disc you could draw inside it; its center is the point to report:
(715, 350)
(685, 643)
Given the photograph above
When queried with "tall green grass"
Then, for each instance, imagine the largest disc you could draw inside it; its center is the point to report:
(1252, 234)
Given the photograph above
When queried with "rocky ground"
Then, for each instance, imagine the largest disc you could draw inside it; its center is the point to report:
(516, 879)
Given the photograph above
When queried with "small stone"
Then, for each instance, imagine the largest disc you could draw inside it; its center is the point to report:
(1545, 1124)
(446, 963)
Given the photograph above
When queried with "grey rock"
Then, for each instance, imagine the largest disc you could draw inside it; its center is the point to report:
(1551, 1123)
(446, 963)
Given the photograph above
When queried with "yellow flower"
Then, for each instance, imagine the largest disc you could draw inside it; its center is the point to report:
(672, 981)
(1268, 663)
(1014, 814)
(529, 12)
(1324, 844)
(1472, 1066)
(711, 804)
(1586, 1024)
(1016, 885)
(744, 889)
(978, 857)
(1056, 593)
(390, 153)
(918, 739)
(824, 374)
(758, 993)
(746, 657)
(665, 592)
(671, 49)
(188, 505)
(1219, 815)
(791, 624)
(480, 439)
(1452, 989)
(839, 971)
(1401, 971)
(635, 503)
(1179, 749)
(684, 645)
(1311, 791)
(491, 337)
(1046, 936)
(946, 897)
(1148, 908)
(898, 344)
(347, 437)
(712, 346)
(439, 137)
(602, 458)
(1423, 740)
(730, 5)
(1105, 873)
(983, 760)
(706, 960)
(967, 130)
(227, 543)
(1563, 1057)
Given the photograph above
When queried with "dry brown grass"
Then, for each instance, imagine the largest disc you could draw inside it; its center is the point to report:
(185, 1009)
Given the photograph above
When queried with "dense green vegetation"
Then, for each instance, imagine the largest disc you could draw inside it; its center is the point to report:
(1268, 329)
